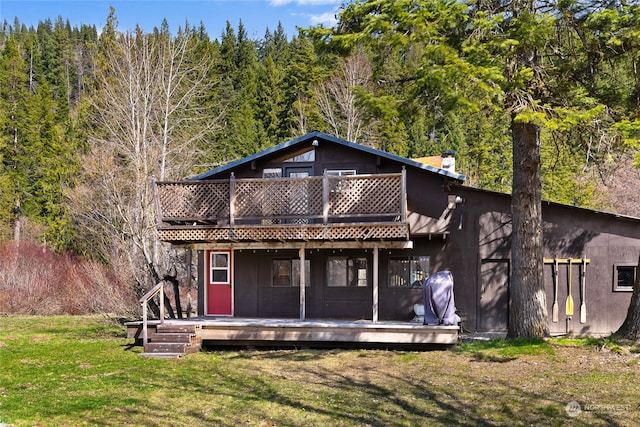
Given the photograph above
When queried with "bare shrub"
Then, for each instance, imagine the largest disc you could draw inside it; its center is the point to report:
(35, 280)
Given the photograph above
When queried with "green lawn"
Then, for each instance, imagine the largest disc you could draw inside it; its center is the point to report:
(71, 371)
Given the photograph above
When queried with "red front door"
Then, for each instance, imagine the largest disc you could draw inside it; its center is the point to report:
(220, 283)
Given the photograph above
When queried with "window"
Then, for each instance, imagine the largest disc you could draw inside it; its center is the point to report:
(309, 156)
(286, 272)
(219, 267)
(624, 276)
(347, 271)
(272, 173)
(408, 271)
(337, 185)
(341, 172)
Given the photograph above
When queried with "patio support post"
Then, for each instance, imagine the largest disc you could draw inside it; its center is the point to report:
(303, 284)
(375, 284)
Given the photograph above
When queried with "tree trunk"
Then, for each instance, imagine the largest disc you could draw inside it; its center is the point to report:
(528, 307)
(630, 328)
(16, 225)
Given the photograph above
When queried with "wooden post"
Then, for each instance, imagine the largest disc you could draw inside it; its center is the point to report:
(403, 196)
(156, 198)
(375, 284)
(189, 283)
(303, 284)
(162, 303)
(145, 337)
(232, 200)
(325, 197)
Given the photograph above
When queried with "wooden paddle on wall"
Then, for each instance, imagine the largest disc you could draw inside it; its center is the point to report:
(583, 297)
(569, 302)
(554, 309)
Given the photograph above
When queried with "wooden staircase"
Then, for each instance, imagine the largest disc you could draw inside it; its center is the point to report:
(170, 341)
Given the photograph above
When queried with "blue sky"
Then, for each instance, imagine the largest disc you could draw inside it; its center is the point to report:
(256, 15)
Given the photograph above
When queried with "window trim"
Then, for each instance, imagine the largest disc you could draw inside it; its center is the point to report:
(623, 288)
(213, 268)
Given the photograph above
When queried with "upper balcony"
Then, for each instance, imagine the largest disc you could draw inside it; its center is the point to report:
(325, 208)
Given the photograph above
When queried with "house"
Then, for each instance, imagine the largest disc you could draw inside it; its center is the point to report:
(320, 228)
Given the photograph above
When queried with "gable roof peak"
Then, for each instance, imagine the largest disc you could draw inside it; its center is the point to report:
(316, 135)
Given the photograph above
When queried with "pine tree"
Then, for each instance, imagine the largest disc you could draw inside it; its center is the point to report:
(13, 94)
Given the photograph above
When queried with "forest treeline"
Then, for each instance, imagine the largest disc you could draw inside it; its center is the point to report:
(89, 116)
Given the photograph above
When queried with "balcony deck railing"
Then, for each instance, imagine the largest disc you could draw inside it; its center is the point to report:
(295, 203)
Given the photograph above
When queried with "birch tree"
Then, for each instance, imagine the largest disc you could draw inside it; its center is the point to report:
(337, 97)
(148, 114)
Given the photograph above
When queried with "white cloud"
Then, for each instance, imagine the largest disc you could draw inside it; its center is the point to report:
(327, 19)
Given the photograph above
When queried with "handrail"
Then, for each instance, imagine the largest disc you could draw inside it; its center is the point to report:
(158, 288)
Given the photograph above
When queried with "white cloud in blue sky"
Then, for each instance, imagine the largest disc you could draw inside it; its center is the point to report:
(327, 19)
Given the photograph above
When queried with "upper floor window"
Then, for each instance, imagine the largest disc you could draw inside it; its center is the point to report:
(272, 173)
(341, 172)
(624, 276)
(309, 156)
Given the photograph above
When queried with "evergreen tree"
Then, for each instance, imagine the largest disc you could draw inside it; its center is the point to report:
(13, 95)
(494, 57)
(303, 71)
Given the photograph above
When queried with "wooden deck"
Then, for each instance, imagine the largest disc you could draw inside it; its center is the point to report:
(316, 208)
(232, 331)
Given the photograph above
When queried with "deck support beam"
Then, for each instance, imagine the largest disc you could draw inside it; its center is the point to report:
(375, 283)
(303, 284)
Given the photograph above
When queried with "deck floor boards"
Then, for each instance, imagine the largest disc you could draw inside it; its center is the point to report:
(263, 331)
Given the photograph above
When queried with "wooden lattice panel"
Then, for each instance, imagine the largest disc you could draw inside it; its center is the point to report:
(351, 195)
(201, 200)
(332, 232)
(278, 198)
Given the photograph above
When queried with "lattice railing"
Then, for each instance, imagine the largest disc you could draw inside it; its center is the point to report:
(284, 201)
(377, 195)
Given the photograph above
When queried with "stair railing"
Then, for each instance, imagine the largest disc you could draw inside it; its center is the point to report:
(159, 288)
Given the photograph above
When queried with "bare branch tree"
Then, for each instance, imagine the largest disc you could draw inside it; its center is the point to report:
(148, 114)
(337, 96)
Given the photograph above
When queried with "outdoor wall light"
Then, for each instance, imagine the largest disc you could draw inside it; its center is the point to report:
(453, 200)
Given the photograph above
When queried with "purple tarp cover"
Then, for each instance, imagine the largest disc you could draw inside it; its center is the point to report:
(437, 294)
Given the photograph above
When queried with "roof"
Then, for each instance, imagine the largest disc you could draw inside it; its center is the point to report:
(544, 202)
(303, 140)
